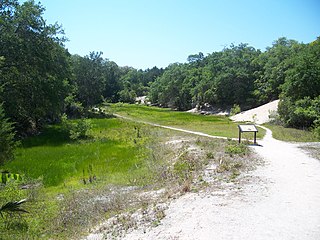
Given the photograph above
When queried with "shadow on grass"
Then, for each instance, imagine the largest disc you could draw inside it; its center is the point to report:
(50, 136)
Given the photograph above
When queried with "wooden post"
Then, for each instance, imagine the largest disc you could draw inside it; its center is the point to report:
(255, 138)
(239, 136)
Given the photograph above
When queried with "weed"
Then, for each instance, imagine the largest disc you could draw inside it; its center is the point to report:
(235, 110)
(236, 149)
(186, 186)
(210, 155)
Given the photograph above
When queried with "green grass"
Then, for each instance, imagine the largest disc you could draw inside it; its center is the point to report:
(291, 134)
(117, 153)
(209, 124)
(112, 153)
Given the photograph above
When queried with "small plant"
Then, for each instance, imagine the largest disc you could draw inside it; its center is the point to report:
(235, 110)
(316, 129)
(236, 149)
(274, 117)
(91, 177)
(12, 207)
(254, 118)
(210, 155)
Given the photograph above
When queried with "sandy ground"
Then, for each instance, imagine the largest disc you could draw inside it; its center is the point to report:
(258, 115)
(280, 200)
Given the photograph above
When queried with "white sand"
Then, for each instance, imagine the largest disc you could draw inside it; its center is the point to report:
(258, 115)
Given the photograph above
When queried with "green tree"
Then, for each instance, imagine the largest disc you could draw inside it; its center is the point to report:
(36, 70)
(234, 81)
(274, 64)
(112, 85)
(302, 79)
(170, 89)
(300, 102)
(90, 78)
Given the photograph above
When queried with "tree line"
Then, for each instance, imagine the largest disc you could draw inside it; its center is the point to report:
(248, 77)
(40, 80)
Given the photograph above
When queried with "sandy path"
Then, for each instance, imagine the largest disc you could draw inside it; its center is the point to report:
(281, 202)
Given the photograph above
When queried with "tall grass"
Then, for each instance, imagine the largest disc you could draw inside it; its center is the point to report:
(111, 152)
(291, 134)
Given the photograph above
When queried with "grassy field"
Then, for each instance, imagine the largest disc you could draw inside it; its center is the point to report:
(53, 166)
(291, 134)
(111, 153)
(209, 124)
(71, 185)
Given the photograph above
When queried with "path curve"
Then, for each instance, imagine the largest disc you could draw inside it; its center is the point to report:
(172, 128)
(283, 204)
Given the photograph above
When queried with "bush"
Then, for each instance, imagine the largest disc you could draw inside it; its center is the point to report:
(235, 110)
(233, 148)
(77, 129)
(316, 128)
(301, 113)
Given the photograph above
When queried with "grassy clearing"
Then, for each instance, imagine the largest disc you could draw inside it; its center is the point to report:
(291, 134)
(73, 185)
(110, 154)
(210, 124)
(61, 178)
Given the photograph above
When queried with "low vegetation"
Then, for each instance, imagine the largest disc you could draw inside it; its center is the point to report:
(71, 185)
(210, 124)
(291, 134)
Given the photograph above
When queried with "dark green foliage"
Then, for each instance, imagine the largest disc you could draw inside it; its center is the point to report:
(35, 71)
(89, 78)
(7, 142)
(222, 78)
(301, 113)
(300, 98)
(273, 66)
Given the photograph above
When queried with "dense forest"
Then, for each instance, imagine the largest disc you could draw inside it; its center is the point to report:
(40, 80)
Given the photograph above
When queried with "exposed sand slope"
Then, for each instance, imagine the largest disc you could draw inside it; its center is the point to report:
(258, 115)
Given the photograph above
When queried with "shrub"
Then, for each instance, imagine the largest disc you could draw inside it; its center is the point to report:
(316, 128)
(301, 113)
(236, 149)
(235, 110)
(77, 129)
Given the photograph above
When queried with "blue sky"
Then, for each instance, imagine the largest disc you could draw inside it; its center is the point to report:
(147, 33)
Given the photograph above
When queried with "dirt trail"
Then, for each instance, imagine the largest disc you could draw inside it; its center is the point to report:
(282, 201)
